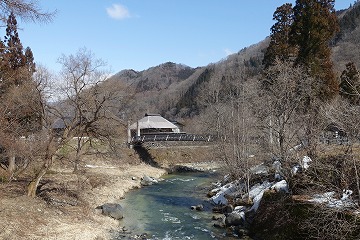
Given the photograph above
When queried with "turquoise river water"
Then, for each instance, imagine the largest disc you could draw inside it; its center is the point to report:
(162, 211)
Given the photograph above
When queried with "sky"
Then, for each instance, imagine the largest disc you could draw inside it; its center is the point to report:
(139, 34)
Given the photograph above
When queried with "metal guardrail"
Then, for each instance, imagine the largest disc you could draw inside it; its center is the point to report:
(170, 137)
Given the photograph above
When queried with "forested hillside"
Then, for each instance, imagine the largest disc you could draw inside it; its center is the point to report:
(346, 46)
(174, 90)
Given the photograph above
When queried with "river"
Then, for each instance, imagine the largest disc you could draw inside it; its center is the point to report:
(162, 211)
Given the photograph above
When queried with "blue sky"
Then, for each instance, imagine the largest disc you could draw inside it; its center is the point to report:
(138, 34)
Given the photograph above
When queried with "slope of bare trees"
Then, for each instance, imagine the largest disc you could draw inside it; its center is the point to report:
(86, 113)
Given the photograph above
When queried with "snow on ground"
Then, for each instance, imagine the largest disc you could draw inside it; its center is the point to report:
(329, 199)
(258, 188)
(305, 164)
(219, 197)
(256, 191)
(281, 186)
(255, 194)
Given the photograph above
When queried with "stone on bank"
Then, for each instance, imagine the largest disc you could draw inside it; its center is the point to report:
(113, 210)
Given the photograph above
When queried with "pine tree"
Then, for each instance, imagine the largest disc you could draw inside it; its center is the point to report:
(16, 67)
(29, 61)
(315, 24)
(279, 47)
(14, 53)
(18, 93)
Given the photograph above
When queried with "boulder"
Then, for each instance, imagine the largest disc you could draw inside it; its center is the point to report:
(199, 207)
(147, 181)
(223, 209)
(113, 210)
(234, 219)
(220, 222)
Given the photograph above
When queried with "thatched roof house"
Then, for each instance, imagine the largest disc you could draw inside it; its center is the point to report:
(154, 123)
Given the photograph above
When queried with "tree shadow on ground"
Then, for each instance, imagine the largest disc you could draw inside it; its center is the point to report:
(145, 156)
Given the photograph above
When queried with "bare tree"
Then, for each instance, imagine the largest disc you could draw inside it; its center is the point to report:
(86, 112)
(228, 114)
(345, 114)
(20, 106)
(25, 9)
(19, 118)
(329, 223)
(284, 93)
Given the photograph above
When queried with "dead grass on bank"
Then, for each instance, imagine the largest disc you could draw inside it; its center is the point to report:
(65, 204)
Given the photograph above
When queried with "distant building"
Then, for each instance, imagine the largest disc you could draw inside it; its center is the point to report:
(334, 134)
(153, 124)
(60, 124)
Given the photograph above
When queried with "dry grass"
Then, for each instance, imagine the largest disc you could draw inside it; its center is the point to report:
(65, 205)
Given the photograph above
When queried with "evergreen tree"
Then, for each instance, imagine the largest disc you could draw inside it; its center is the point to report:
(349, 87)
(29, 61)
(315, 24)
(16, 67)
(18, 93)
(14, 53)
(279, 46)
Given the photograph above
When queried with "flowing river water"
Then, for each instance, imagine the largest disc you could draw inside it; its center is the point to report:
(162, 211)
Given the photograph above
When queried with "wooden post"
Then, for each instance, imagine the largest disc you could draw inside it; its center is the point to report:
(129, 133)
(137, 129)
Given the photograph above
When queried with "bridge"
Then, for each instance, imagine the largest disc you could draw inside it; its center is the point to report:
(166, 137)
(154, 128)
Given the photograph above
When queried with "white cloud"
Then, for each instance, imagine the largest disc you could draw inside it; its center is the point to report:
(118, 11)
(228, 52)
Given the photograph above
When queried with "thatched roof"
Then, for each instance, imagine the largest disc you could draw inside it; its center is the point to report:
(153, 121)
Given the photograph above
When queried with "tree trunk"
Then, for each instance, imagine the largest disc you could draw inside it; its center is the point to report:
(48, 160)
(79, 145)
(35, 182)
(12, 166)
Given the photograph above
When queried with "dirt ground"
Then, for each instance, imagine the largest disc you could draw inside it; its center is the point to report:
(65, 204)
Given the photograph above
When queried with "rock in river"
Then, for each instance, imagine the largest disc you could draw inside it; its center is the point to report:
(147, 181)
(113, 210)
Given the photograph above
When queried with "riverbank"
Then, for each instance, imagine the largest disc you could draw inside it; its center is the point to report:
(65, 205)
(62, 216)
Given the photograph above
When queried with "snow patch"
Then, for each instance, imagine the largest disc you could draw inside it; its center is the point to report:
(305, 164)
(256, 201)
(281, 186)
(329, 199)
(219, 198)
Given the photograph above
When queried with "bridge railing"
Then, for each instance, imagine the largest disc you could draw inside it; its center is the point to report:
(171, 137)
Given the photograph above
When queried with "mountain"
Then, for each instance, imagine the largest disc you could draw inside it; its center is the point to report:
(156, 88)
(175, 90)
(171, 89)
(346, 46)
(155, 78)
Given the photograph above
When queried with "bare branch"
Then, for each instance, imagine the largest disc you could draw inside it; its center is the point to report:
(25, 10)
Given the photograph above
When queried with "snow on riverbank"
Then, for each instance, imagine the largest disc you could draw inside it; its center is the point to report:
(237, 189)
(329, 199)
